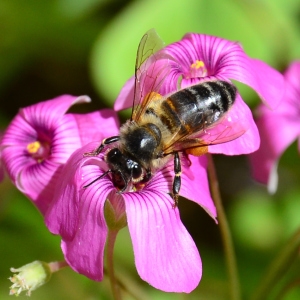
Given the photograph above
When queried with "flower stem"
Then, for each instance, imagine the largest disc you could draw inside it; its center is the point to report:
(130, 287)
(225, 232)
(278, 267)
(57, 265)
(111, 238)
(287, 289)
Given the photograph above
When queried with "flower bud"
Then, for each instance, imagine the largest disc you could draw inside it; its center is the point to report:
(29, 277)
(115, 218)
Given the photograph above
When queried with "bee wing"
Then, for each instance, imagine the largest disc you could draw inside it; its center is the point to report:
(231, 126)
(151, 69)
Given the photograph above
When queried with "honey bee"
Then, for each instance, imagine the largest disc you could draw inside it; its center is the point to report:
(164, 127)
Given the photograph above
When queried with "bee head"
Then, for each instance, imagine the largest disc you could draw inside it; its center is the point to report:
(123, 169)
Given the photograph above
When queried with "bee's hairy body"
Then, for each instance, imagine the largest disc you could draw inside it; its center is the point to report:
(162, 127)
(141, 145)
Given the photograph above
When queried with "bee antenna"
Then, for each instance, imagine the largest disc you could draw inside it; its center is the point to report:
(98, 178)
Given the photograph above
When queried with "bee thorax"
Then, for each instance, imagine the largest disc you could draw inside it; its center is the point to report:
(142, 141)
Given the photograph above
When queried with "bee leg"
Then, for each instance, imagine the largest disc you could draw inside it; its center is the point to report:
(177, 179)
(105, 142)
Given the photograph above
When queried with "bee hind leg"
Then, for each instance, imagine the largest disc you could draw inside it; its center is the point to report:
(105, 142)
(177, 179)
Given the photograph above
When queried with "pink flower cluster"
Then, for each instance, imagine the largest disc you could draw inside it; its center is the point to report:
(278, 129)
(43, 153)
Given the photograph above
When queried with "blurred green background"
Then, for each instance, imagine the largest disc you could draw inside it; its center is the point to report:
(48, 48)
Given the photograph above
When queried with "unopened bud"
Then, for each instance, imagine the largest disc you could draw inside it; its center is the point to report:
(29, 277)
(115, 219)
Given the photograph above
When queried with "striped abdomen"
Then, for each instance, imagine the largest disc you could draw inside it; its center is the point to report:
(197, 107)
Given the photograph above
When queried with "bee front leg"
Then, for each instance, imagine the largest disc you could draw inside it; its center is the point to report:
(102, 145)
(177, 178)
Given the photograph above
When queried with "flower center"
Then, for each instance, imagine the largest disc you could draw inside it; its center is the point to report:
(39, 151)
(198, 69)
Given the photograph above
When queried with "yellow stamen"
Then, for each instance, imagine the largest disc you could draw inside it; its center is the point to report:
(197, 64)
(33, 147)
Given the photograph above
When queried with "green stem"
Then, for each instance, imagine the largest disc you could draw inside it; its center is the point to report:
(225, 232)
(278, 267)
(288, 288)
(130, 287)
(111, 238)
(57, 265)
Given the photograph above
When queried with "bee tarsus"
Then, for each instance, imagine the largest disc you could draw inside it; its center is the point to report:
(105, 142)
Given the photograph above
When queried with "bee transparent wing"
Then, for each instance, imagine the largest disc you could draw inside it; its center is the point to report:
(231, 126)
(151, 69)
(224, 131)
(234, 124)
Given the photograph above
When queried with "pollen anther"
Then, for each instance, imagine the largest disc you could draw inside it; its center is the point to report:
(197, 64)
(33, 147)
(197, 69)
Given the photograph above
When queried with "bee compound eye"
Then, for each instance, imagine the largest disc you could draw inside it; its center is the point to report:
(136, 171)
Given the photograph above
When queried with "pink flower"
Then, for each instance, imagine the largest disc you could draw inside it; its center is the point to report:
(165, 254)
(41, 138)
(200, 57)
(278, 129)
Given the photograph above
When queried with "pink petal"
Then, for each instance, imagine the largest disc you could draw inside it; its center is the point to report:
(195, 186)
(44, 176)
(73, 131)
(19, 132)
(194, 182)
(35, 180)
(278, 129)
(165, 254)
(84, 251)
(162, 180)
(63, 213)
(47, 113)
(292, 75)
(15, 162)
(266, 81)
(65, 139)
(277, 133)
(126, 95)
(77, 213)
(76, 173)
(97, 125)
